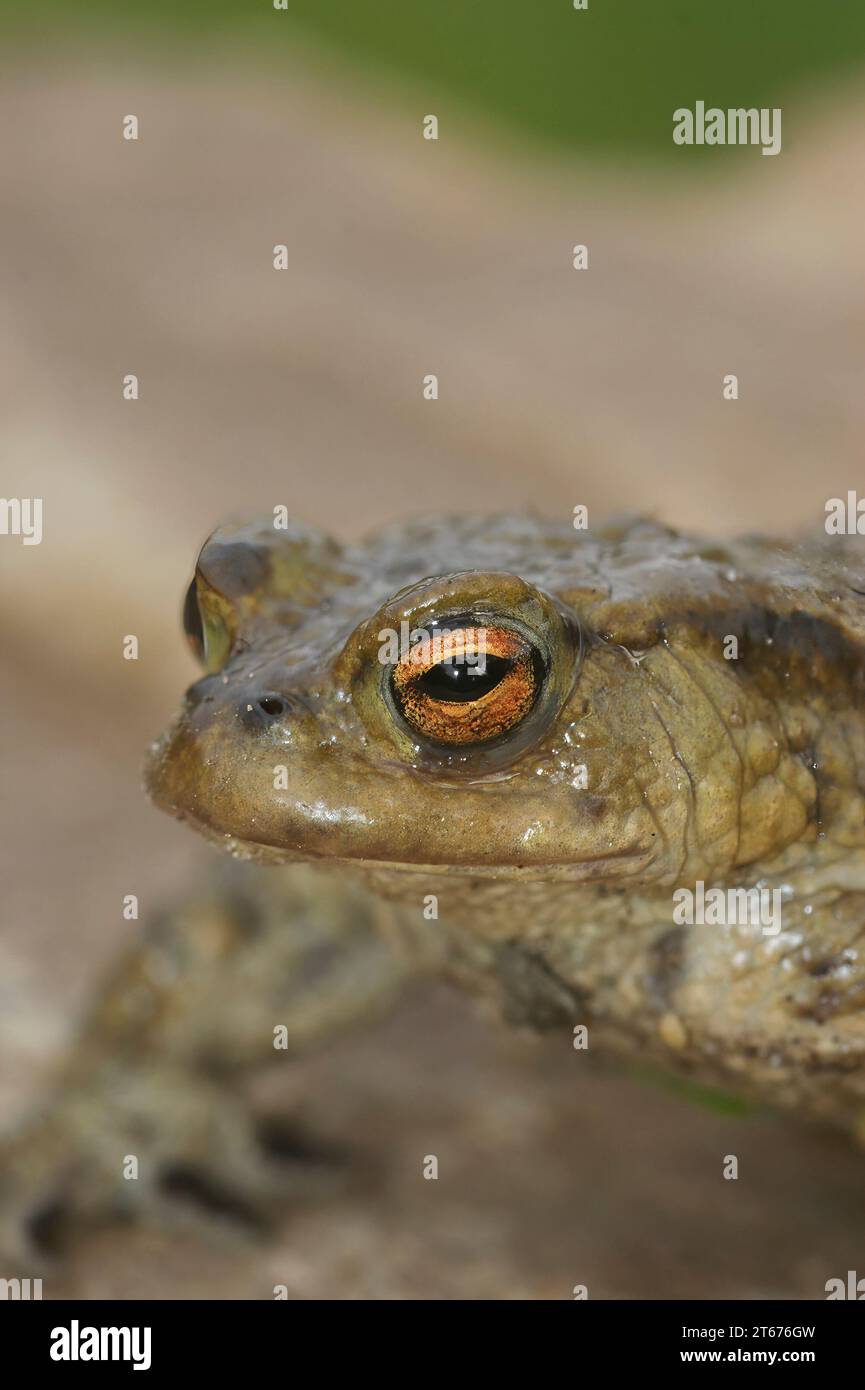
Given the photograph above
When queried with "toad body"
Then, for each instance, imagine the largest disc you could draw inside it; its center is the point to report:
(569, 770)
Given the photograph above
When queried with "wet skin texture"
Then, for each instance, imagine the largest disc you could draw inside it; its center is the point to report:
(635, 757)
(651, 711)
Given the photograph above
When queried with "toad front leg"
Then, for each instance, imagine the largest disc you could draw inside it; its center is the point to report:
(148, 1117)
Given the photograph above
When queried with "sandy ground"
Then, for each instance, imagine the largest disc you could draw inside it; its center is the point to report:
(304, 387)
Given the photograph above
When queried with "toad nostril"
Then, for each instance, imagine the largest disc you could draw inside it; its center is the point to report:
(272, 705)
(200, 693)
(261, 711)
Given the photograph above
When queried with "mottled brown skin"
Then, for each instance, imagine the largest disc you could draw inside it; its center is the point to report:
(733, 771)
(645, 760)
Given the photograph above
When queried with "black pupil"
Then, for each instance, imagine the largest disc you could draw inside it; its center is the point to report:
(464, 680)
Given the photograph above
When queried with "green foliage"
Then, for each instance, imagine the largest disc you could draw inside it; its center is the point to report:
(603, 81)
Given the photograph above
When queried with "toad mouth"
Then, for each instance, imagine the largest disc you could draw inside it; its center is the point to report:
(616, 865)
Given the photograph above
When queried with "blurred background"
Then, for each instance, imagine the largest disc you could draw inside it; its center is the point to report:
(304, 387)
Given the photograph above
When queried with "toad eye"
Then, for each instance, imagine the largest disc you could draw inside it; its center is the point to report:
(192, 624)
(206, 622)
(467, 684)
